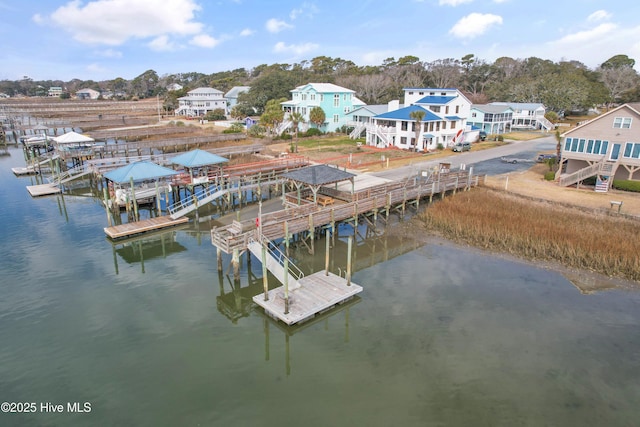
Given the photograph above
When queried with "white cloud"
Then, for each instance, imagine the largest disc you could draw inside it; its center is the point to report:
(599, 15)
(96, 68)
(297, 49)
(275, 25)
(474, 24)
(109, 53)
(307, 9)
(112, 22)
(453, 2)
(589, 35)
(204, 40)
(246, 32)
(162, 44)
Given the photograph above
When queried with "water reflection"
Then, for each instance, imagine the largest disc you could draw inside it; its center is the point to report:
(146, 247)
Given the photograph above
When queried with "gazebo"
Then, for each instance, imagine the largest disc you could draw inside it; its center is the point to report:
(73, 139)
(317, 176)
(198, 159)
(138, 172)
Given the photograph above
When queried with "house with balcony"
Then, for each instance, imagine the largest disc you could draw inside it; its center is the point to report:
(336, 102)
(198, 102)
(232, 96)
(528, 115)
(55, 91)
(493, 119)
(607, 147)
(360, 117)
(444, 111)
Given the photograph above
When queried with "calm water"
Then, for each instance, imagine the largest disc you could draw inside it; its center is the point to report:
(149, 334)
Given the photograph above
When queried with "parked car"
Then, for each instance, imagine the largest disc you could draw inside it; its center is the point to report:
(544, 157)
(515, 160)
(462, 146)
(482, 135)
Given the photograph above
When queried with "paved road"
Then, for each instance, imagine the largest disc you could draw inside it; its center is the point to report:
(483, 161)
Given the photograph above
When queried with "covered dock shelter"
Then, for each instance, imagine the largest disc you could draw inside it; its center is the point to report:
(316, 178)
(145, 174)
(73, 145)
(201, 165)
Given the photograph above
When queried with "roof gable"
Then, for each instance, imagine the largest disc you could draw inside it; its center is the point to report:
(322, 88)
(197, 158)
(436, 100)
(138, 171)
(318, 175)
(405, 114)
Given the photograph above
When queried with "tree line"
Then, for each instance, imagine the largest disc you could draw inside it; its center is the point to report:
(560, 86)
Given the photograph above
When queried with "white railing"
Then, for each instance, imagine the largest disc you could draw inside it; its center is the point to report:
(197, 197)
(580, 175)
(545, 123)
(275, 252)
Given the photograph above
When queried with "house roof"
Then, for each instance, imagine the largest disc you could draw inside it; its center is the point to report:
(405, 114)
(72, 138)
(139, 171)
(373, 109)
(633, 106)
(520, 105)
(318, 175)
(453, 117)
(197, 158)
(323, 88)
(209, 90)
(236, 90)
(490, 108)
(435, 100)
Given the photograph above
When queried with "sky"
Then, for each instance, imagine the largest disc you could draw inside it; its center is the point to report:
(105, 39)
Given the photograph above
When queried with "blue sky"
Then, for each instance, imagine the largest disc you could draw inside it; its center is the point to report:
(105, 39)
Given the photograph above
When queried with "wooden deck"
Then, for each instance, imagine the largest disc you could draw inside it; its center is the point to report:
(316, 294)
(43, 190)
(29, 170)
(138, 227)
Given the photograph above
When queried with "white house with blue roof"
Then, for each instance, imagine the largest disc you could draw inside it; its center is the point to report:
(444, 121)
(336, 102)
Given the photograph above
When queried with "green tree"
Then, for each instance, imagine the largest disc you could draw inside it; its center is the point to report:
(296, 118)
(317, 116)
(273, 114)
(417, 115)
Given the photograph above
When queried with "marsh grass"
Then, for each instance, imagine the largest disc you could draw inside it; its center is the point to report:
(540, 231)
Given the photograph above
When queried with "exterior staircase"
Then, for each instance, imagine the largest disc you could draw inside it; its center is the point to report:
(384, 136)
(357, 130)
(202, 197)
(602, 168)
(275, 260)
(286, 124)
(546, 124)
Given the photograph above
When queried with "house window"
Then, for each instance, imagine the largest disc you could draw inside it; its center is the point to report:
(605, 147)
(410, 93)
(435, 109)
(452, 125)
(567, 144)
(457, 109)
(632, 150)
(312, 97)
(321, 97)
(304, 96)
(336, 100)
(336, 118)
(346, 110)
(622, 122)
(420, 93)
(403, 140)
(404, 126)
(581, 146)
(446, 109)
(473, 114)
(574, 145)
(590, 146)
(596, 147)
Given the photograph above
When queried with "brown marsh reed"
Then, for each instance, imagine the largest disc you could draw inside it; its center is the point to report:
(537, 230)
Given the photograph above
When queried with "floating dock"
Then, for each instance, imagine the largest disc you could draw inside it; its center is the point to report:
(43, 190)
(138, 227)
(316, 294)
(29, 170)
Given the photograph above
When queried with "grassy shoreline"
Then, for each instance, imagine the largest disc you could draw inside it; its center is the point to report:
(542, 231)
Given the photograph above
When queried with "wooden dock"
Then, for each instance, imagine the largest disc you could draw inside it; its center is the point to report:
(43, 190)
(138, 227)
(316, 293)
(29, 170)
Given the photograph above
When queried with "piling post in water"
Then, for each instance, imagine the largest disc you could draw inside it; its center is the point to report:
(326, 253)
(105, 195)
(286, 285)
(265, 280)
(349, 244)
(135, 202)
(219, 259)
(235, 261)
(312, 233)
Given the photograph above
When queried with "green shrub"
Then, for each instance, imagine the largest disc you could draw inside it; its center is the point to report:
(180, 123)
(284, 137)
(550, 176)
(312, 132)
(256, 131)
(440, 146)
(626, 185)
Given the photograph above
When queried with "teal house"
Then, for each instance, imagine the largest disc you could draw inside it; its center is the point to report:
(336, 102)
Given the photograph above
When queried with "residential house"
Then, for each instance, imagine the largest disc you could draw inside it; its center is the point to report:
(200, 101)
(87, 94)
(528, 115)
(491, 118)
(232, 96)
(335, 101)
(55, 91)
(607, 147)
(174, 87)
(445, 113)
(360, 117)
